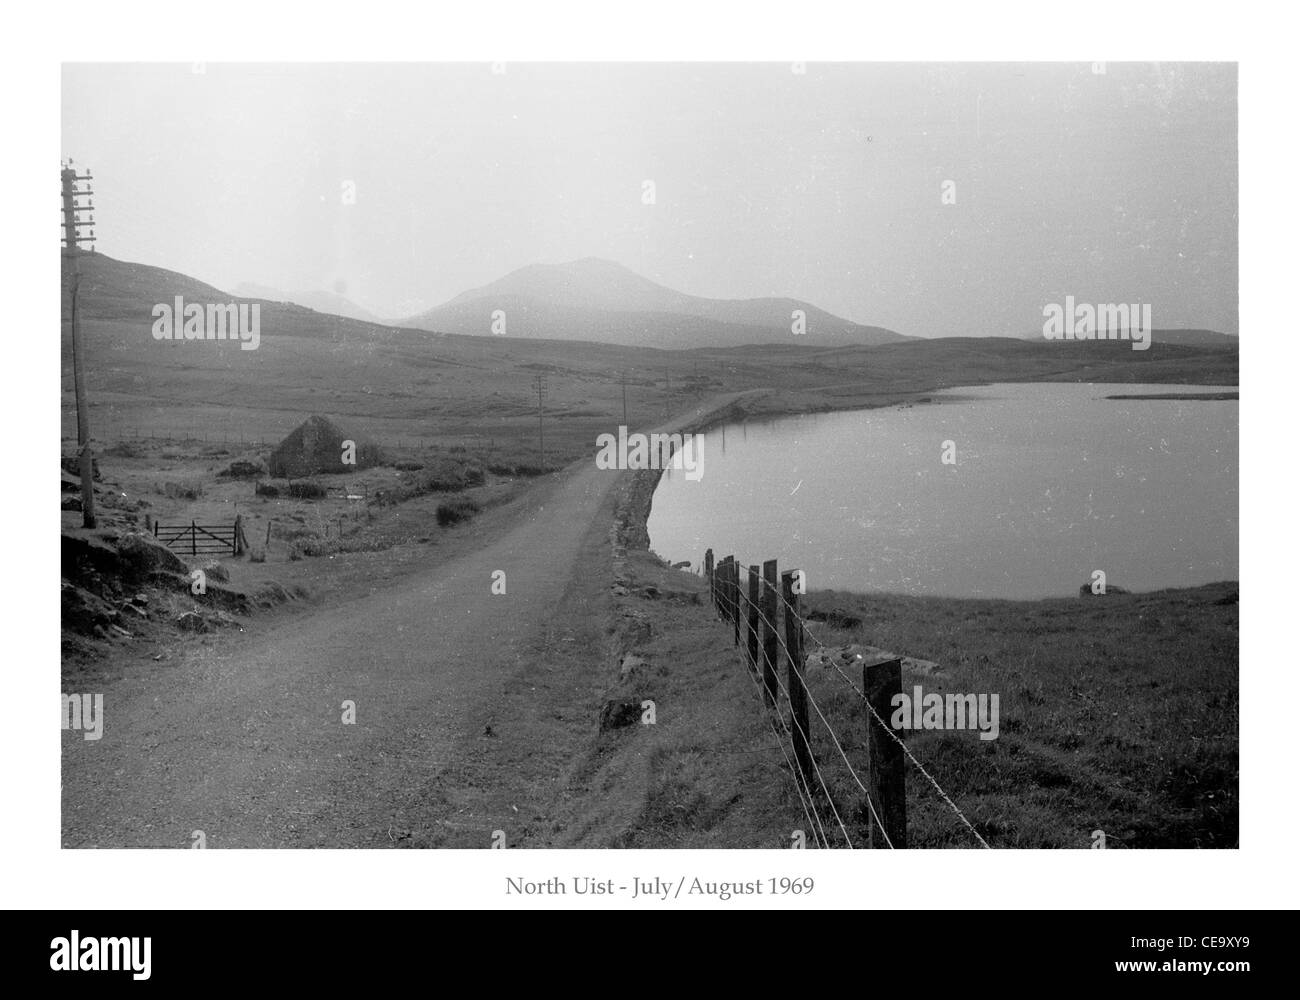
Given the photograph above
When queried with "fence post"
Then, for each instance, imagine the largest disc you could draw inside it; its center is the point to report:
(751, 632)
(794, 676)
(886, 781)
(724, 593)
(738, 598)
(194, 538)
(267, 546)
(733, 583)
(708, 573)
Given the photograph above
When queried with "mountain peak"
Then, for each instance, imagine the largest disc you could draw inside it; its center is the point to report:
(594, 298)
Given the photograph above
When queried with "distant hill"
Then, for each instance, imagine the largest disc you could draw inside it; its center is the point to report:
(319, 301)
(1186, 338)
(123, 294)
(600, 300)
(381, 380)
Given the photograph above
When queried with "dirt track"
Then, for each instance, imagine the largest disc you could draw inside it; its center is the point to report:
(245, 742)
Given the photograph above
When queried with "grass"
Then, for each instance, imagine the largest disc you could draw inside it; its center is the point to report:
(1117, 714)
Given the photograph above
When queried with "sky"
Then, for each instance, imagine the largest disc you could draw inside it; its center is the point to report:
(401, 185)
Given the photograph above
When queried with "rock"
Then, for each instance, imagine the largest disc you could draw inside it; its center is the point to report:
(83, 612)
(649, 593)
(70, 503)
(619, 590)
(619, 713)
(140, 599)
(191, 622)
(1086, 590)
(141, 555)
(213, 570)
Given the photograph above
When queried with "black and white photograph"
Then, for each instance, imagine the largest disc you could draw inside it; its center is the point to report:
(721, 455)
(686, 457)
(642, 455)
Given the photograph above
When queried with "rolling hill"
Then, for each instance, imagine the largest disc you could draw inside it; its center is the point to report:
(600, 300)
(317, 301)
(1181, 337)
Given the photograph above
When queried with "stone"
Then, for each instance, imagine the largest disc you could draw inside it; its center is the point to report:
(191, 622)
(619, 713)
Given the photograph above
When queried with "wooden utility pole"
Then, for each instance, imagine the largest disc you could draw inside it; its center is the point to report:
(72, 241)
(540, 382)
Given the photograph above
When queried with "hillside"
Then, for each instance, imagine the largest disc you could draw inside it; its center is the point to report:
(1179, 337)
(595, 299)
(318, 301)
(390, 383)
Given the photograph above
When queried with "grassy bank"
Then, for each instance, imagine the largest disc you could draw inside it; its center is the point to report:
(1117, 714)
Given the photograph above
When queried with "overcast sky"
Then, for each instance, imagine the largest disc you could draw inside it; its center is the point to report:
(824, 185)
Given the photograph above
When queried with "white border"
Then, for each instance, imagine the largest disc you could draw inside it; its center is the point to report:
(1261, 874)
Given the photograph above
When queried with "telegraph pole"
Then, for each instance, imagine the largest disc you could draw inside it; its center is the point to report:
(72, 241)
(623, 379)
(540, 382)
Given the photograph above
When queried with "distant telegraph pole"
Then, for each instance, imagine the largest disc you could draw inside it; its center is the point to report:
(623, 379)
(540, 382)
(72, 241)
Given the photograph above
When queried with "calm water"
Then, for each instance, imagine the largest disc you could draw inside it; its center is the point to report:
(1052, 481)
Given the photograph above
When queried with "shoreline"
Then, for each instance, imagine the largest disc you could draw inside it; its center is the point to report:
(632, 511)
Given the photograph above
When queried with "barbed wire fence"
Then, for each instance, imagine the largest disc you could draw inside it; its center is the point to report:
(759, 611)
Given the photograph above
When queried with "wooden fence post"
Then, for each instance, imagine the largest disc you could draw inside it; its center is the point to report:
(738, 597)
(886, 779)
(267, 546)
(708, 573)
(751, 631)
(794, 676)
(771, 639)
(726, 590)
(194, 539)
(733, 592)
